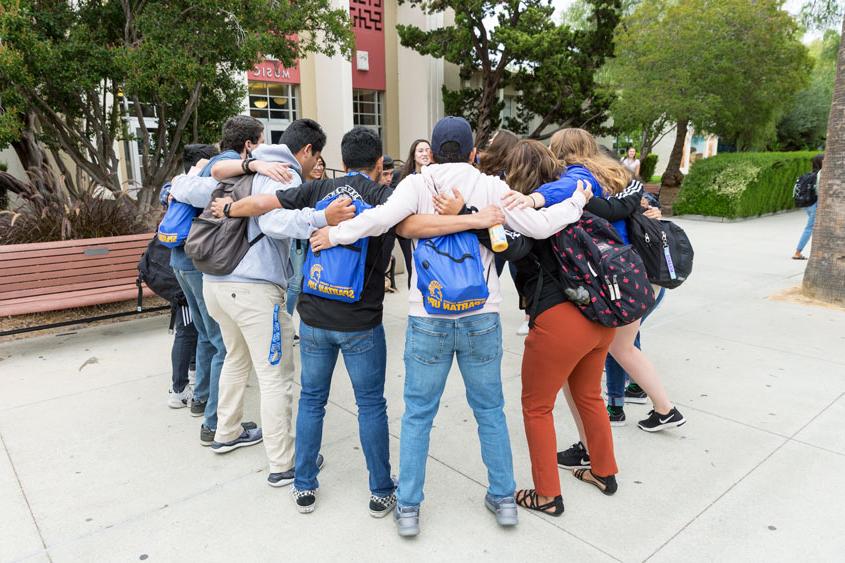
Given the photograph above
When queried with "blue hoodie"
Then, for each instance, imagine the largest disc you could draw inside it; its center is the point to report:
(559, 190)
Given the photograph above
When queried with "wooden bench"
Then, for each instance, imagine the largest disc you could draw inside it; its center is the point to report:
(53, 276)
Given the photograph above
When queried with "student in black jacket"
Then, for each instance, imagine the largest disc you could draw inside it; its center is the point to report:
(354, 329)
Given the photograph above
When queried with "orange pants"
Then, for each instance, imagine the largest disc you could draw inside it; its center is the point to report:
(564, 346)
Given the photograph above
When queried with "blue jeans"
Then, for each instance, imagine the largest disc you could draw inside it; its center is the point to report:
(365, 358)
(808, 228)
(430, 344)
(298, 248)
(210, 348)
(615, 376)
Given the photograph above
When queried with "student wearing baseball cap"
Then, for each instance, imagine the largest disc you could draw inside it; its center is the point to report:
(475, 336)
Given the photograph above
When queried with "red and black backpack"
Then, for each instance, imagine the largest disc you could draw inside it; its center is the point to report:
(604, 277)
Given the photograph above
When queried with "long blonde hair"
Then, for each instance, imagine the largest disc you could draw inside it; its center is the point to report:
(530, 165)
(576, 146)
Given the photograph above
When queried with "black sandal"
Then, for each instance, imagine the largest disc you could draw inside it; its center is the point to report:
(527, 498)
(606, 485)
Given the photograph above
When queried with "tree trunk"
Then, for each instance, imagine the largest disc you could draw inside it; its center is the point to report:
(484, 128)
(825, 275)
(673, 177)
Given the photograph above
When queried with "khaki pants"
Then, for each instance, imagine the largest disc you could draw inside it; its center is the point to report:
(244, 312)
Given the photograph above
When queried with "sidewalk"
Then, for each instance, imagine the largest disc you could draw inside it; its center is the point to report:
(95, 467)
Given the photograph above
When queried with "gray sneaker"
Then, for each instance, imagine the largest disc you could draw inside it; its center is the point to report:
(407, 520)
(247, 438)
(207, 434)
(504, 508)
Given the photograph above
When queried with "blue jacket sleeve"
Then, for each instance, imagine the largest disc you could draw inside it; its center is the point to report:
(559, 190)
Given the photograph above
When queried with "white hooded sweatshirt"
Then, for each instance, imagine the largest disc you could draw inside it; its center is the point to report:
(414, 195)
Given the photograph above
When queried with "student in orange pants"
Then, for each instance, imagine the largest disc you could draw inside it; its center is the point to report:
(562, 347)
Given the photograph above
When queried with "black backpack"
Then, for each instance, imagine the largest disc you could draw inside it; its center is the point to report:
(215, 245)
(604, 277)
(154, 270)
(804, 193)
(664, 247)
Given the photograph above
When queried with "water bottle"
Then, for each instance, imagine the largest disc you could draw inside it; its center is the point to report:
(498, 239)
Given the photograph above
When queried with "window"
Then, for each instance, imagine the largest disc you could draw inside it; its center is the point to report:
(271, 101)
(366, 109)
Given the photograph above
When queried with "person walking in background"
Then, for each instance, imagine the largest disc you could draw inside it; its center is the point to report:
(806, 196)
(631, 162)
(418, 157)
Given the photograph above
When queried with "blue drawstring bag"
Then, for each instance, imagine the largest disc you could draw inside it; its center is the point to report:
(450, 274)
(337, 273)
(176, 223)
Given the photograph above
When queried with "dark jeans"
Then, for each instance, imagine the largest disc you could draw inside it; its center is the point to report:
(184, 351)
(615, 376)
(365, 358)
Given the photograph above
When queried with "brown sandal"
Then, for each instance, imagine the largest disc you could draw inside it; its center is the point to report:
(606, 485)
(527, 498)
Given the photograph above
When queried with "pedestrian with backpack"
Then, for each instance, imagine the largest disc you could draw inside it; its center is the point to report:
(806, 196)
(341, 309)
(241, 134)
(454, 302)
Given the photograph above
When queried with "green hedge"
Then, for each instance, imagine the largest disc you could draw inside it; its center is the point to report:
(742, 184)
(647, 167)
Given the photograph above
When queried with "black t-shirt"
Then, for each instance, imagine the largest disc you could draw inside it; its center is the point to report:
(365, 313)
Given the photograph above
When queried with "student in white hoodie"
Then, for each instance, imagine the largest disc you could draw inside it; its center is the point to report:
(475, 337)
(248, 304)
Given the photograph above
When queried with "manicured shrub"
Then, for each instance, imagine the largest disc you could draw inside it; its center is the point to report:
(647, 166)
(742, 184)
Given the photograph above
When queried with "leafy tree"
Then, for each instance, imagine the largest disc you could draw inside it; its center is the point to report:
(518, 43)
(725, 66)
(71, 73)
(824, 277)
(805, 123)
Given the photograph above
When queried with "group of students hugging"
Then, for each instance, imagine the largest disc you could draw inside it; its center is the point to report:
(450, 205)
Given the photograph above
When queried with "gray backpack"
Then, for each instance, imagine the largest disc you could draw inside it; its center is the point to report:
(217, 246)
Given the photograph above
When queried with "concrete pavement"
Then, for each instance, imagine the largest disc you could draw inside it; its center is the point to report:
(95, 467)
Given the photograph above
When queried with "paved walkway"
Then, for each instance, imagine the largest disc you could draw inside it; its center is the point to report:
(95, 467)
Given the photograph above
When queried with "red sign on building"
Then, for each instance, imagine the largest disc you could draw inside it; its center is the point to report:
(273, 71)
(368, 26)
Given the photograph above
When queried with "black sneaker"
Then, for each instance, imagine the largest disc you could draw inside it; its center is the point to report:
(207, 434)
(616, 415)
(657, 422)
(382, 506)
(635, 394)
(198, 408)
(575, 457)
(306, 501)
(285, 478)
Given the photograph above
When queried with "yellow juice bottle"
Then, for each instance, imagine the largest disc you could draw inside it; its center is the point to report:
(498, 239)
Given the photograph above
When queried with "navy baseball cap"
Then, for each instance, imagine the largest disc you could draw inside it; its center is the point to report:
(452, 129)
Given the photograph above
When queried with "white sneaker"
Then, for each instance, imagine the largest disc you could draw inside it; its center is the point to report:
(179, 400)
(192, 377)
(523, 329)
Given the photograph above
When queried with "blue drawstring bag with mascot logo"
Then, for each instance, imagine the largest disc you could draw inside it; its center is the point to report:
(338, 272)
(450, 274)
